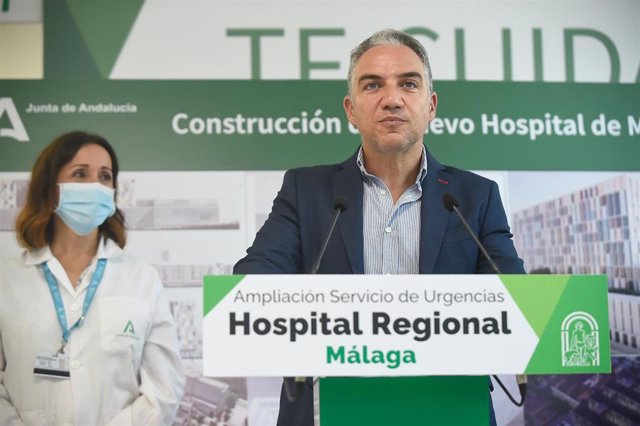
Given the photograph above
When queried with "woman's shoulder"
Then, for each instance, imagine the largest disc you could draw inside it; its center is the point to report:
(114, 254)
(132, 264)
(15, 262)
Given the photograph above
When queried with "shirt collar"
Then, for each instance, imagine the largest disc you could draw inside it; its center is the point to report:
(107, 248)
(419, 177)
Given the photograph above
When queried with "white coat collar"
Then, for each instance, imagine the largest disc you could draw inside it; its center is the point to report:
(107, 248)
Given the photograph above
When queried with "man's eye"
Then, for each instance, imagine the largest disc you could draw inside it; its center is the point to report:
(410, 84)
(370, 86)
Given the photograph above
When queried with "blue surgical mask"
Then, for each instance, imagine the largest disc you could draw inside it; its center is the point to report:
(85, 206)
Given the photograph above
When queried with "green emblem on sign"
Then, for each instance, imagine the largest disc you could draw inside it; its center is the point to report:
(580, 341)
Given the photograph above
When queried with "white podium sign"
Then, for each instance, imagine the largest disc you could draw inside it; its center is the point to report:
(379, 325)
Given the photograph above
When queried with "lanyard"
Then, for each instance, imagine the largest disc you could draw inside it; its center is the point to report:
(88, 298)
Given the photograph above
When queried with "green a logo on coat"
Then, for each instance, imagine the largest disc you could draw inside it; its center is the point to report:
(129, 328)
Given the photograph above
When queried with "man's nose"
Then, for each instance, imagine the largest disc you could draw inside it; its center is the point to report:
(392, 97)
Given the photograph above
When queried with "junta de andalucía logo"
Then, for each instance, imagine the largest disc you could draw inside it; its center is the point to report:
(580, 340)
(17, 130)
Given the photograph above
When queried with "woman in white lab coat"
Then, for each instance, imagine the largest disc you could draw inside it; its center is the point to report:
(86, 334)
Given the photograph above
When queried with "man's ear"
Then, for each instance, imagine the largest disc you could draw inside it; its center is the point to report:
(433, 105)
(348, 109)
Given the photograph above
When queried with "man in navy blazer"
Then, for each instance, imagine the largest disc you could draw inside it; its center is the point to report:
(395, 189)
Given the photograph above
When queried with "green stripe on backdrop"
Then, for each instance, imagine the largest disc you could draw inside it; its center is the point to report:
(66, 55)
(204, 125)
(94, 33)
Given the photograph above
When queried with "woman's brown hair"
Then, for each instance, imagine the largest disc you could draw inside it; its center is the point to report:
(34, 225)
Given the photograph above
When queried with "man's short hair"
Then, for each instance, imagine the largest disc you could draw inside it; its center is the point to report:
(393, 38)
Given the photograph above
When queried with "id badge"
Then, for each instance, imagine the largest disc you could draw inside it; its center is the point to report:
(52, 365)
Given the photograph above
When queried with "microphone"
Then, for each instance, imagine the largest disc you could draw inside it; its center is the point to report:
(451, 204)
(339, 206)
(293, 385)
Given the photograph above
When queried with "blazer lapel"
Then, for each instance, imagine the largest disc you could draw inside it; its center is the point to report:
(347, 181)
(434, 217)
